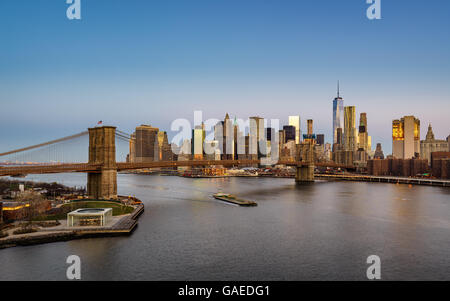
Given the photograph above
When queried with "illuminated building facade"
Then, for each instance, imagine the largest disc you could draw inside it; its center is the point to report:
(350, 128)
(406, 137)
(198, 137)
(295, 122)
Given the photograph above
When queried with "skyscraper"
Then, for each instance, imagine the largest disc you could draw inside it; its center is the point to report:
(350, 128)
(255, 135)
(363, 137)
(295, 122)
(338, 111)
(320, 139)
(289, 133)
(406, 137)
(144, 147)
(198, 137)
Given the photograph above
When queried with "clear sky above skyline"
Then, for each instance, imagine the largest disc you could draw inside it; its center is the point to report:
(129, 62)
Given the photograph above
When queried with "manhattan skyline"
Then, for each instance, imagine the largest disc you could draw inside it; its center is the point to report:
(150, 63)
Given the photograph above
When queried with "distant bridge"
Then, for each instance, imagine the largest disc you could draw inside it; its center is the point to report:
(102, 167)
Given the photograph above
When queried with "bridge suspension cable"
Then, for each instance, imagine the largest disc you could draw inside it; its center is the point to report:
(123, 135)
(44, 144)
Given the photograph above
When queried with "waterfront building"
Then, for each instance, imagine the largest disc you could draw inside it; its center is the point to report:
(406, 137)
(198, 138)
(295, 122)
(144, 146)
(397, 167)
(338, 118)
(440, 165)
(430, 145)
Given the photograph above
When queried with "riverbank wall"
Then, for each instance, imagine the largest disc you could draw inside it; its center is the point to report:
(125, 226)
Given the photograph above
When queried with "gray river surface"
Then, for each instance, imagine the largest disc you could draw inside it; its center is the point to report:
(322, 231)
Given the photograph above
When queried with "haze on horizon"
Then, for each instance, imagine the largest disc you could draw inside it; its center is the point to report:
(134, 62)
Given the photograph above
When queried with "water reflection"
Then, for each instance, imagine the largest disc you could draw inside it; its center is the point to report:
(323, 230)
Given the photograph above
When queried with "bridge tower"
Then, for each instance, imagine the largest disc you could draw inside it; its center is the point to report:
(102, 150)
(305, 170)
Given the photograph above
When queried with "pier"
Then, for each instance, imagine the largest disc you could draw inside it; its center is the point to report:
(385, 179)
(125, 225)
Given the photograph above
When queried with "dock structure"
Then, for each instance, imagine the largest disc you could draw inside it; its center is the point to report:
(385, 179)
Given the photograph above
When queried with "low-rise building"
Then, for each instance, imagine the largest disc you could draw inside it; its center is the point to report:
(397, 167)
(440, 164)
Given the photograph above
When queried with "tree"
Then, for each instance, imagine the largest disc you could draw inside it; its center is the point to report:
(35, 202)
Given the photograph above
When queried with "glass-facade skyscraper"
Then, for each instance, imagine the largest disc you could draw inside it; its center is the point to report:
(295, 121)
(338, 115)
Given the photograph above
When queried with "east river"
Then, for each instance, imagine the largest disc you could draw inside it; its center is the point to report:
(323, 231)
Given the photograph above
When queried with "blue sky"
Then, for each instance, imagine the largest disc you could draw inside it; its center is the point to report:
(129, 62)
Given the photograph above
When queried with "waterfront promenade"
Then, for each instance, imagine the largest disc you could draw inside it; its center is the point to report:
(120, 225)
(385, 179)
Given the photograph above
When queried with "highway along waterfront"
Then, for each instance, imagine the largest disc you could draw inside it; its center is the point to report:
(321, 231)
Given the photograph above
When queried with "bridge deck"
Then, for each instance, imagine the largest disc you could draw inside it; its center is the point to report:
(86, 167)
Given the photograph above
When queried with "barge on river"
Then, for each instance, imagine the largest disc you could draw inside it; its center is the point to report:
(234, 200)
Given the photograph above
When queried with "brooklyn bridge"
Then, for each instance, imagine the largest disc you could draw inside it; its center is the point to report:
(102, 167)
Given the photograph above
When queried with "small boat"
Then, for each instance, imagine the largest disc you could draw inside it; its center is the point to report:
(234, 200)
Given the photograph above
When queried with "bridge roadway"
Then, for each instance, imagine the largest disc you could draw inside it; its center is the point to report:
(121, 166)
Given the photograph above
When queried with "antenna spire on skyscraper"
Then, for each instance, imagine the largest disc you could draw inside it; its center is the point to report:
(338, 89)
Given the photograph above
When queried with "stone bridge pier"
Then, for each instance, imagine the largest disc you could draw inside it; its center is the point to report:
(102, 150)
(304, 174)
(305, 171)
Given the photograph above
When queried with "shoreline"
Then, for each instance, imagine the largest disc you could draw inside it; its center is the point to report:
(338, 177)
(123, 227)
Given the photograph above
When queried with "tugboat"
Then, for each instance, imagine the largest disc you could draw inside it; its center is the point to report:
(234, 200)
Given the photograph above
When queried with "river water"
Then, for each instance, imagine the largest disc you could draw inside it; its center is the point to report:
(322, 231)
